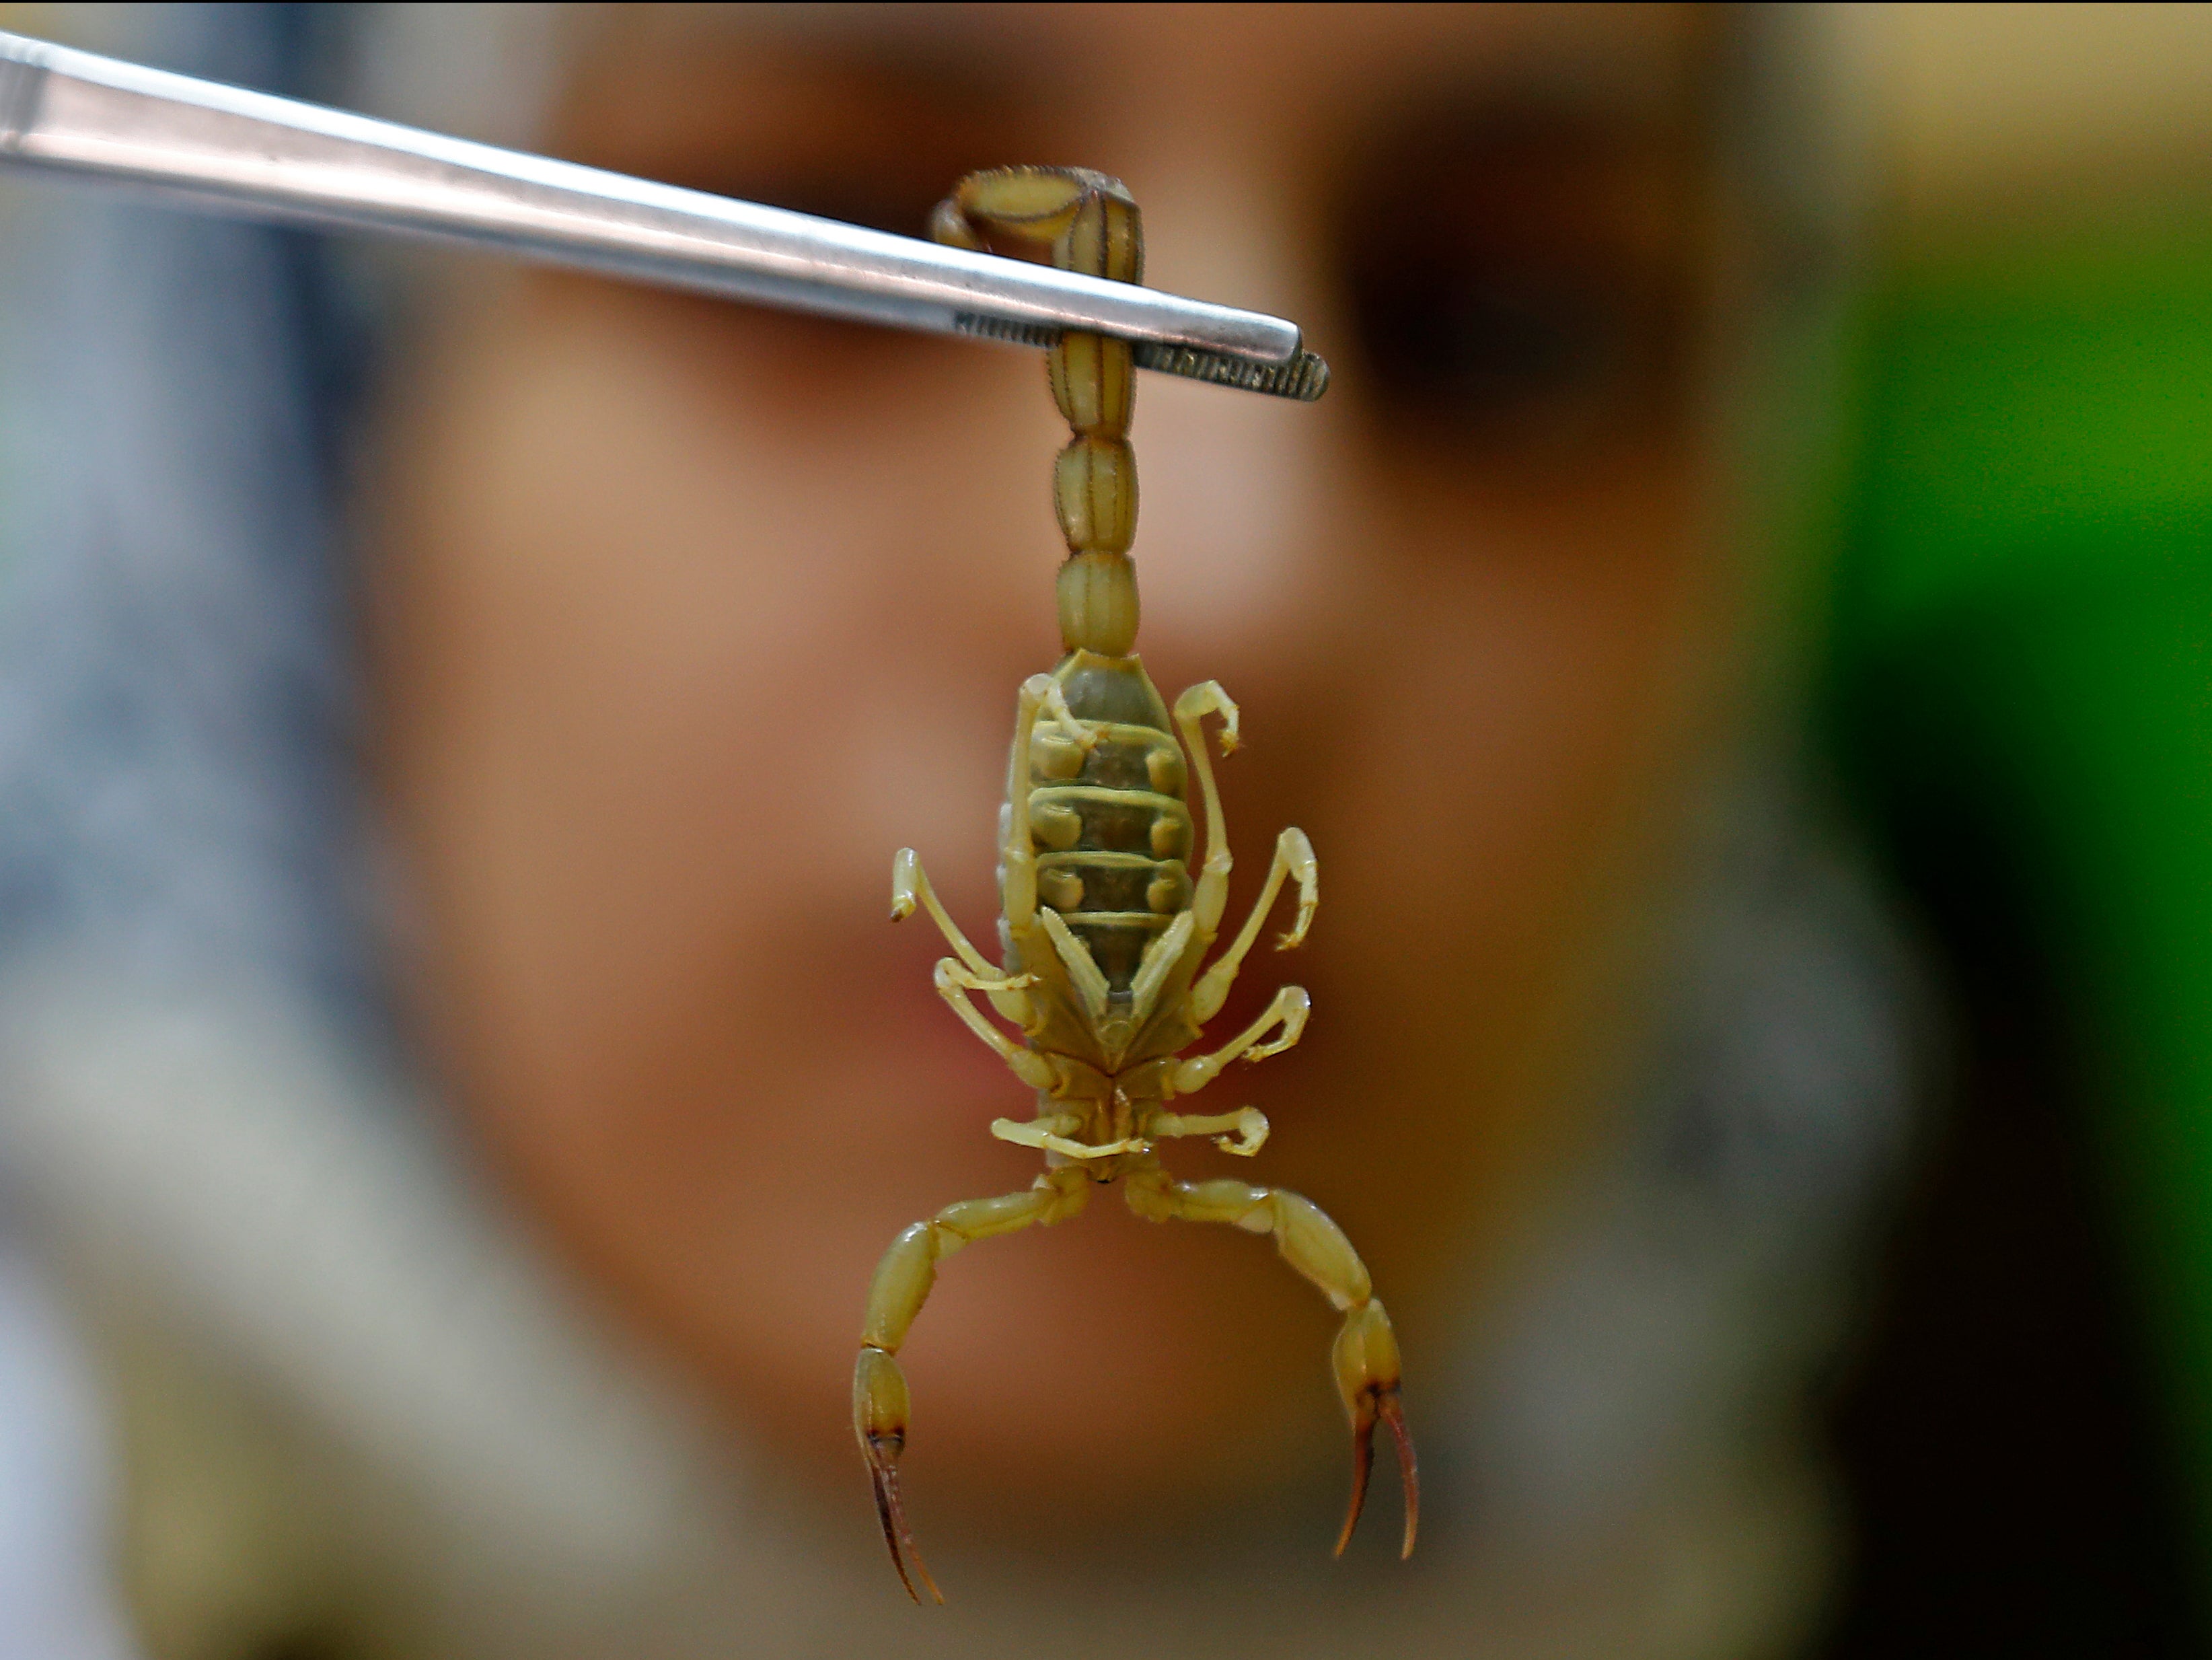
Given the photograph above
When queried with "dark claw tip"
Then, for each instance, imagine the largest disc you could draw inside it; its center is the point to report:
(1383, 1405)
(1408, 1471)
(1363, 1466)
(889, 1511)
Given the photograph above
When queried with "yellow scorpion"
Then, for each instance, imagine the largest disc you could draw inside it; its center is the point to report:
(1102, 930)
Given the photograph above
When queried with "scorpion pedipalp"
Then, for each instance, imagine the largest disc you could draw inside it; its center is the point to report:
(902, 1283)
(1365, 1355)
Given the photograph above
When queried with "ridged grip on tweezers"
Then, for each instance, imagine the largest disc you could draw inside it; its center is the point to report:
(1303, 378)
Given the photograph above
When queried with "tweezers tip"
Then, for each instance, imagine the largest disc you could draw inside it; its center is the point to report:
(1303, 378)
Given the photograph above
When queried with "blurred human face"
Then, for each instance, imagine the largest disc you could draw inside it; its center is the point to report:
(692, 614)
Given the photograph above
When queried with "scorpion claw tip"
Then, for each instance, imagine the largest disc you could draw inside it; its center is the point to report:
(1363, 1465)
(896, 1535)
(1393, 1416)
(1382, 1405)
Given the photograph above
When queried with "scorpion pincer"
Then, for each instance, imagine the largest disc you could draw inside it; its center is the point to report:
(1103, 928)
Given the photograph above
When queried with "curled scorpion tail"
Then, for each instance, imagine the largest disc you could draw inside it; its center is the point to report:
(1075, 220)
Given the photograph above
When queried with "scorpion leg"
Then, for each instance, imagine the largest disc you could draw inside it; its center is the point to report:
(911, 887)
(1016, 843)
(1294, 856)
(1365, 1355)
(895, 1298)
(954, 983)
(1289, 1010)
(1049, 1134)
(1210, 896)
(1242, 1132)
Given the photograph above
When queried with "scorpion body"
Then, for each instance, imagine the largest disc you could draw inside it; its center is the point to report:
(1104, 927)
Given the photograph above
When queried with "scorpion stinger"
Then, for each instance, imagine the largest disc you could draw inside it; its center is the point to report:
(1102, 927)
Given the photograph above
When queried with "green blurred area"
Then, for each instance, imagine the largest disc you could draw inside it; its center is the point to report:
(2019, 679)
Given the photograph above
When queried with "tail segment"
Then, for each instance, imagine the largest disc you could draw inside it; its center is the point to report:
(1080, 221)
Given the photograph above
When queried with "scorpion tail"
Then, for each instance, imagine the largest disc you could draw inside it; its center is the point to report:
(1080, 220)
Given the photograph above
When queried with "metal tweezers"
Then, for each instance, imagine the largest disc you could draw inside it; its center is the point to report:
(226, 150)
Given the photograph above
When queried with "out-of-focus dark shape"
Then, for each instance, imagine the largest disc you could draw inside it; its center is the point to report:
(1526, 278)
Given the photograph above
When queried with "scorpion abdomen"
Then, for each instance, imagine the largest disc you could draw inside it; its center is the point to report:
(1112, 830)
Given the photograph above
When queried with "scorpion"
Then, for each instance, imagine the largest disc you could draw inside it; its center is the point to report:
(1102, 929)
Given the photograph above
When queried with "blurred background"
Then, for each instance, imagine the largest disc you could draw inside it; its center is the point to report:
(1739, 632)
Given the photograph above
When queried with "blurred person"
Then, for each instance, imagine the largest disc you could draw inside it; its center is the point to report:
(455, 1060)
